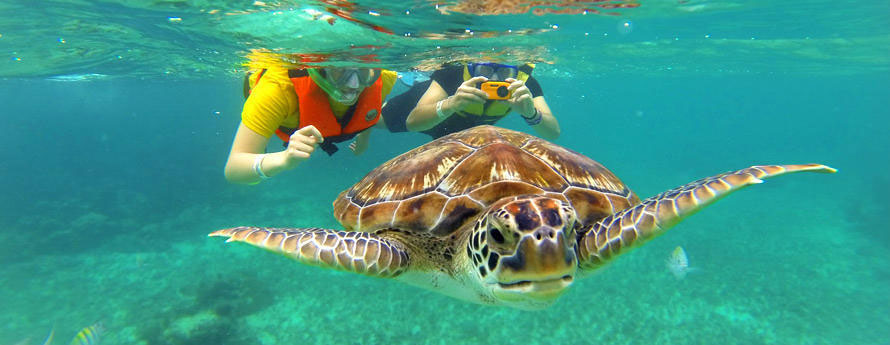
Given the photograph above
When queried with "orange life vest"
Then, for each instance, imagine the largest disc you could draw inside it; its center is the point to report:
(315, 109)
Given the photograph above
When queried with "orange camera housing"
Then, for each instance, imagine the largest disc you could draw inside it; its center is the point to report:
(496, 89)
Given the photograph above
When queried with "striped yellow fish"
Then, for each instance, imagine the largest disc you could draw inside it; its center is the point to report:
(88, 335)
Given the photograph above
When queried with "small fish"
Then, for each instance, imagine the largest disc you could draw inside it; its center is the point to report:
(88, 335)
(678, 263)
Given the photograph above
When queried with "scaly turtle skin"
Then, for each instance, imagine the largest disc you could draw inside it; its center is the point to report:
(494, 216)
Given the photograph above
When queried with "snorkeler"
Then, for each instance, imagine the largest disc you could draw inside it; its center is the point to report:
(451, 101)
(305, 108)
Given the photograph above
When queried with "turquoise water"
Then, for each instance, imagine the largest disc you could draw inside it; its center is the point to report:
(112, 176)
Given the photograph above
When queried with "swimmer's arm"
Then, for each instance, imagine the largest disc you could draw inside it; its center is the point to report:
(245, 149)
(549, 127)
(248, 145)
(424, 115)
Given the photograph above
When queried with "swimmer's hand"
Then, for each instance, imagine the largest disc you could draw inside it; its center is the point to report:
(301, 145)
(521, 101)
(466, 94)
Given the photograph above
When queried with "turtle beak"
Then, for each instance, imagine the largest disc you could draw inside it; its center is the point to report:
(543, 266)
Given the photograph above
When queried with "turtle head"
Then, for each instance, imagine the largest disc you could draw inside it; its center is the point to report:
(524, 250)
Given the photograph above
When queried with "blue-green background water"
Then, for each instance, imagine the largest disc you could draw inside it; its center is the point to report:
(110, 186)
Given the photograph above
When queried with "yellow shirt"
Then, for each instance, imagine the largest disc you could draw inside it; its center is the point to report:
(273, 102)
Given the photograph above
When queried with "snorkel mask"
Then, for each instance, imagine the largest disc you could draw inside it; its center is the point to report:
(344, 84)
(492, 71)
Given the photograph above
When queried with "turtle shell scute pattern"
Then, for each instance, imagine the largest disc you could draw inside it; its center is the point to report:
(437, 187)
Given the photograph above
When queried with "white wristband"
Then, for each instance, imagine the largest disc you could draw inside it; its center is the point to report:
(258, 166)
(439, 112)
(535, 119)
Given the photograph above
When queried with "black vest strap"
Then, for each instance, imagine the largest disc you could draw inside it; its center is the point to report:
(527, 69)
(247, 77)
(328, 144)
(297, 73)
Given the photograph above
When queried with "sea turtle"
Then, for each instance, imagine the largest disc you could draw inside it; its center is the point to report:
(493, 216)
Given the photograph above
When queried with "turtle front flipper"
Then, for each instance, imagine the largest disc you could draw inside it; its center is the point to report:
(358, 252)
(615, 234)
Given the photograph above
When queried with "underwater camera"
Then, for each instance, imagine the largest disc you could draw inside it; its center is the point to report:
(496, 89)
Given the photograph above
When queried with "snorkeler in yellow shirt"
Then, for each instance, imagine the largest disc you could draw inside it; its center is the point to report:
(305, 108)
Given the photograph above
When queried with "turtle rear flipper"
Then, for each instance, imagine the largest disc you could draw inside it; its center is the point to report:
(603, 240)
(358, 252)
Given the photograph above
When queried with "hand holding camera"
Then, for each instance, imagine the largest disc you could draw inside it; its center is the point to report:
(466, 94)
(520, 98)
(480, 89)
